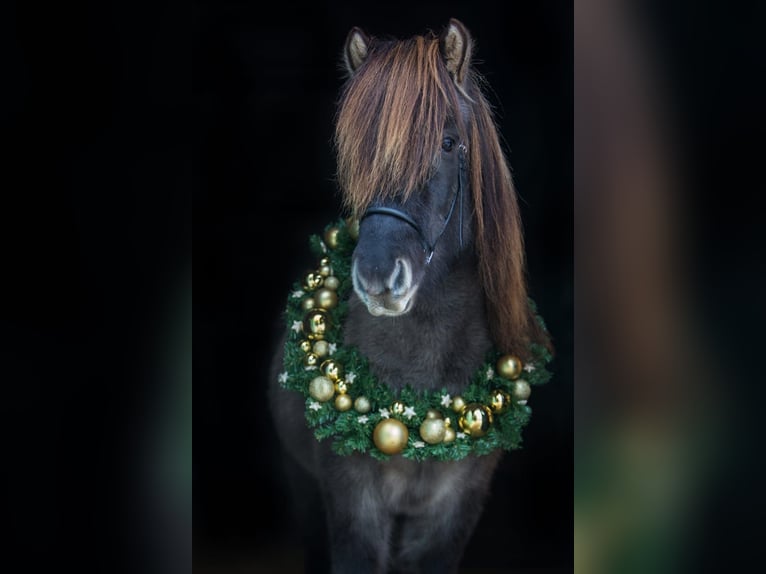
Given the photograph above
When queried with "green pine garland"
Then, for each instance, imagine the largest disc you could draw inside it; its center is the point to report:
(352, 430)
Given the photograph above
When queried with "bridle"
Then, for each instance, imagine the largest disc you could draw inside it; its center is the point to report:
(457, 198)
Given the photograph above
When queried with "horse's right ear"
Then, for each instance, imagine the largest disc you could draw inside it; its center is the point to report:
(355, 50)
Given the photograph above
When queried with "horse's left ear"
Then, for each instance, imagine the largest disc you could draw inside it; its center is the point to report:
(456, 46)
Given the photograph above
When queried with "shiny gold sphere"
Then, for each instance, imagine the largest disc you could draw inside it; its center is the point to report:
(362, 405)
(475, 420)
(332, 369)
(326, 298)
(341, 387)
(324, 261)
(331, 237)
(458, 404)
(509, 367)
(313, 280)
(343, 403)
(353, 227)
(325, 270)
(521, 390)
(321, 388)
(397, 408)
(449, 434)
(332, 282)
(305, 346)
(447, 422)
(390, 436)
(499, 401)
(433, 414)
(308, 304)
(316, 323)
(310, 360)
(320, 348)
(432, 431)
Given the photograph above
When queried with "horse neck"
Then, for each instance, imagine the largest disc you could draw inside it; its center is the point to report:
(439, 343)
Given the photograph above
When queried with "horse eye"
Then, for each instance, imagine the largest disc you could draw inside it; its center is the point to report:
(447, 144)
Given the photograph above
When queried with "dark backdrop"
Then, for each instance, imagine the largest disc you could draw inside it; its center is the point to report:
(266, 88)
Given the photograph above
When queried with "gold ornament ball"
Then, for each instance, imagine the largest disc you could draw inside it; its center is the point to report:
(390, 436)
(308, 304)
(324, 261)
(447, 422)
(362, 405)
(353, 227)
(325, 270)
(499, 401)
(433, 414)
(305, 345)
(316, 324)
(521, 390)
(321, 388)
(321, 348)
(332, 282)
(326, 298)
(397, 408)
(341, 387)
(313, 280)
(449, 434)
(475, 420)
(432, 431)
(509, 367)
(331, 237)
(458, 404)
(343, 403)
(310, 360)
(331, 369)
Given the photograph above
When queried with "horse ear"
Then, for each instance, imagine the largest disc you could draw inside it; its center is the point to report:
(355, 50)
(456, 46)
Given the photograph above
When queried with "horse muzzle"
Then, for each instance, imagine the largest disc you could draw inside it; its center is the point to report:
(387, 292)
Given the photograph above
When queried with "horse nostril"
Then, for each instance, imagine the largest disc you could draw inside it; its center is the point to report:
(400, 279)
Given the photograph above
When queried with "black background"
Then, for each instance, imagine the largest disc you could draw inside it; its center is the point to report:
(268, 88)
(115, 115)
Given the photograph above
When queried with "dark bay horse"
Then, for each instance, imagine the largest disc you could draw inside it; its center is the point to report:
(435, 281)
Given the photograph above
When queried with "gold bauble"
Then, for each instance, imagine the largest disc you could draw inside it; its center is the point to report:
(308, 304)
(321, 388)
(305, 346)
(509, 367)
(331, 237)
(321, 348)
(341, 387)
(343, 402)
(521, 390)
(324, 261)
(458, 404)
(447, 422)
(362, 405)
(390, 436)
(332, 369)
(313, 280)
(353, 227)
(397, 408)
(499, 401)
(310, 360)
(449, 434)
(433, 414)
(432, 431)
(325, 270)
(475, 420)
(332, 282)
(316, 323)
(326, 298)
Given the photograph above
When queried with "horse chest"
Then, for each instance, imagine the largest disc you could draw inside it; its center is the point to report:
(408, 487)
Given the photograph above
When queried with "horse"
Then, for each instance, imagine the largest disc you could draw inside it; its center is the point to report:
(434, 284)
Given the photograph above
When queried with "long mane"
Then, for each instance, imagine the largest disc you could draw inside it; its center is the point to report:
(388, 131)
